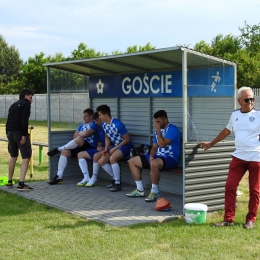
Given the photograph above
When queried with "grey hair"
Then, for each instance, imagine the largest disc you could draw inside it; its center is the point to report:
(242, 89)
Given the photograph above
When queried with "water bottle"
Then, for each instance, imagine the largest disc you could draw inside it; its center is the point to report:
(131, 153)
(146, 149)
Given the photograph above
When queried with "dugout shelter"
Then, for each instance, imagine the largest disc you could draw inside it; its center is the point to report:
(196, 90)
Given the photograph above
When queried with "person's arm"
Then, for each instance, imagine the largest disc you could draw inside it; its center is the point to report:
(107, 145)
(162, 141)
(99, 147)
(76, 134)
(26, 111)
(126, 140)
(221, 136)
(153, 149)
(86, 133)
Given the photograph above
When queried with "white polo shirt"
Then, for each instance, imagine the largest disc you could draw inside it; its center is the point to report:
(246, 127)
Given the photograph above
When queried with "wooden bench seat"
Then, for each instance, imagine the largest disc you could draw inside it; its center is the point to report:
(40, 144)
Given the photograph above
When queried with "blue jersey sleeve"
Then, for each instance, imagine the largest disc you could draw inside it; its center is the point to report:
(94, 126)
(121, 128)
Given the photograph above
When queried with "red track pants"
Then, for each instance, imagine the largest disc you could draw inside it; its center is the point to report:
(237, 169)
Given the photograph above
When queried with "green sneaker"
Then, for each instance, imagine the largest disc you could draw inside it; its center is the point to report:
(135, 193)
(82, 183)
(153, 197)
(90, 185)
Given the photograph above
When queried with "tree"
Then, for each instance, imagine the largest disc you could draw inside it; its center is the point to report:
(202, 46)
(83, 52)
(135, 48)
(250, 38)
(221, 45)
(10, 65)
(33, 73)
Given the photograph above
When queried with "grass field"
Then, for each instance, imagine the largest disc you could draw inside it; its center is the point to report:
(29, 230)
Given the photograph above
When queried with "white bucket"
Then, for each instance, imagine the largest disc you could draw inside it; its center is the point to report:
(195, 213)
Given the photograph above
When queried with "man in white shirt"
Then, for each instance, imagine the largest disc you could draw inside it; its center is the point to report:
(245, 122)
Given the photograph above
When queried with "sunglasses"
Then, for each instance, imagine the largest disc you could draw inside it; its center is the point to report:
(249, 99)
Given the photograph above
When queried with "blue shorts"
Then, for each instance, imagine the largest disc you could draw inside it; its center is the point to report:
(125, 149)
(168, 161)
(92, 152)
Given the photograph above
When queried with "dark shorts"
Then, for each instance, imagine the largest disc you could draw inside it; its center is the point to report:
(84, 147)
(168, 161)
(14, 139)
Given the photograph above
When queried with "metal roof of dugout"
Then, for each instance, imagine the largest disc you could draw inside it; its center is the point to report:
(200, 109)
(146, 61)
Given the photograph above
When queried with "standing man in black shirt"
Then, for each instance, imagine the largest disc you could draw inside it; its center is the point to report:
(18, 137)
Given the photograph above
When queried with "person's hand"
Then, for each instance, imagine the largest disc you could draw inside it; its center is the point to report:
(205, 145)
(100, 149)
(157, 126)
(104, 152)
(23, 140)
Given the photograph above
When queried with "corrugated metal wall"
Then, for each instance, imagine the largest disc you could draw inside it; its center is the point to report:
(208, 116)
(206, 173)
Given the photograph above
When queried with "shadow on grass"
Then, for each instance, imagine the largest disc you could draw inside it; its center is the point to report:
(81, 223)
(13, 205)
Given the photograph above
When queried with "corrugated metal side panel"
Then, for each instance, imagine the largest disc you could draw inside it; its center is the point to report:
(208, 116)
(206, 173)
(111, 102)
(134, 113)
(72, 170)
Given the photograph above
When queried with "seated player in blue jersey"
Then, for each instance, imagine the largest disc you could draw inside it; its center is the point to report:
(116, 133)
(164, 155)
(84, 138)
(94, 155)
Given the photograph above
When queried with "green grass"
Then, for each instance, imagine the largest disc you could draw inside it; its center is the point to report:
(29, 230)
(39, 134)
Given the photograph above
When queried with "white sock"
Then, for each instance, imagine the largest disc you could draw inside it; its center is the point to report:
(116, 171)
(62, 165)
(93, 179)
(96, 168)
(107, 167)
(139, 185)
(155, 188)
(84, 169)
(69, 146)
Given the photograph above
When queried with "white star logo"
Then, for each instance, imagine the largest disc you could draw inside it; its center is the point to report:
(100, 86)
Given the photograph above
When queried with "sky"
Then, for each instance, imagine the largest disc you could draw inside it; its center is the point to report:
(53, 26)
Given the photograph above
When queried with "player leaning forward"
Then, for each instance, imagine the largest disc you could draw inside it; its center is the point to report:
(164, 155)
